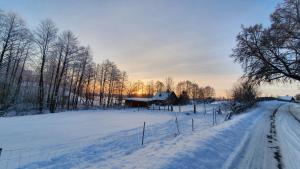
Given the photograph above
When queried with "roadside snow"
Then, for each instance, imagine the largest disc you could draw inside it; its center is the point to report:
(289, 136)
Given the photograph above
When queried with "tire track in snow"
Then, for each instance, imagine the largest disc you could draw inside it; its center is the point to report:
(272, 139)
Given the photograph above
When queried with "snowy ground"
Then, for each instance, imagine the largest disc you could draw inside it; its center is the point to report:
(112, 139)
(288, 129)
(40, 138)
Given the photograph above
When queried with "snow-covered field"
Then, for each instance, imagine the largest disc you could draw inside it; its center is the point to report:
(112, 139)
(38, 138)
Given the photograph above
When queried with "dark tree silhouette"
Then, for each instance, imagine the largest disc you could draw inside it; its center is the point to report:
(272, 53)
(45, 37)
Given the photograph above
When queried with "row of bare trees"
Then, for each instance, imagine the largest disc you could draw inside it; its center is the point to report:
(191, 89)
(47, 69)
(16, 42)
(194, 91)
(148, 89)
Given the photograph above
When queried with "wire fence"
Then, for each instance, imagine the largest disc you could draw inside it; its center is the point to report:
(101, 149)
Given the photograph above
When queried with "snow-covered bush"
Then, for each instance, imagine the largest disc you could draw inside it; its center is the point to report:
(244, 95)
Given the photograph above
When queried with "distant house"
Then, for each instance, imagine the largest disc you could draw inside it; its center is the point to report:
(286, 98)
(165, 98)
(160, 98)
(138, 102)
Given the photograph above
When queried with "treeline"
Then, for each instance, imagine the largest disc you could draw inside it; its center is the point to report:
(192, 90)
(48, 69)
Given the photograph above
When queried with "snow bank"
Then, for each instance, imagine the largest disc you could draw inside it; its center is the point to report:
(289, 135)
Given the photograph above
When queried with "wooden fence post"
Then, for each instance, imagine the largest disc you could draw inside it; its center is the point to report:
(194, 109)
(216, 117)
(0, 151)
(192, 124)
(143, 133)
(213, 116)
(204, 108)
(176, 121)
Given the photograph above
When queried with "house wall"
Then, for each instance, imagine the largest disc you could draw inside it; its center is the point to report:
(171, 100)
(134, 103)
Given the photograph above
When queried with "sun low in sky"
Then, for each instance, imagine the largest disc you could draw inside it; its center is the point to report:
(153, 39)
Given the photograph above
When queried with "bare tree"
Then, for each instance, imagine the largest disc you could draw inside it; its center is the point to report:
(67, 47)
(169, 84)
(15, 39)
(140, 86)
(121, 86)
(194, 91)
(11, 27)
(64, 72)
(45, 38)
(150, 88)
(209, 92)
(159, 86)
(272, 53)
(245, 92)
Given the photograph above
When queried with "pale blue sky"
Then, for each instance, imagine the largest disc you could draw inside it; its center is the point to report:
(154, 39)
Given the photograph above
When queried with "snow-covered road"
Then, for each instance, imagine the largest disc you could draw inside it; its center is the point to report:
(274, 141)
(261, 148)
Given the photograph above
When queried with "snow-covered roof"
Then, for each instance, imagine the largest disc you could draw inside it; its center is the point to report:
(161, 96)
(140, 99)
(286, 98)
(158, 96)
(219, 102)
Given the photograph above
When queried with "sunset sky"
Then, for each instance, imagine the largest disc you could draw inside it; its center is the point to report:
(153, 39)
